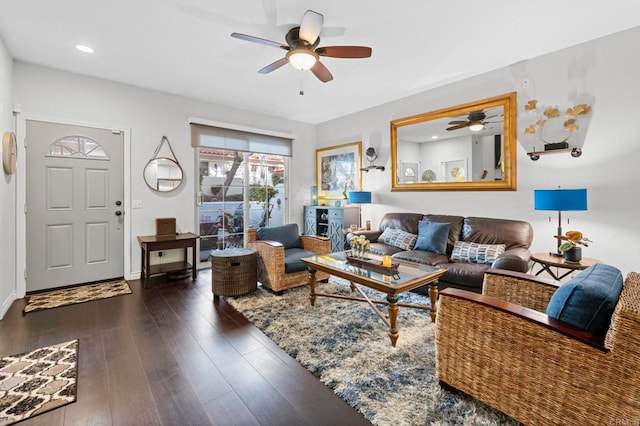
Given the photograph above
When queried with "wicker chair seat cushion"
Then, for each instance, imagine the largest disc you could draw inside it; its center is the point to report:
(292, 260)
(588, 300)
(287, 235)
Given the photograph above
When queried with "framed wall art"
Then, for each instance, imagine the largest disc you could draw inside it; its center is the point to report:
(338, 170)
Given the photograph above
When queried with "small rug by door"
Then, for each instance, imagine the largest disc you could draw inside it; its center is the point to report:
(81, 294)
(346, 345)
(38, 381)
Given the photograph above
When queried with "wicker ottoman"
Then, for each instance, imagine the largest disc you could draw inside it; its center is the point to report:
(234, 272)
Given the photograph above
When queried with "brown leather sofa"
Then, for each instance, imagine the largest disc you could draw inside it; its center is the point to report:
(516, 235)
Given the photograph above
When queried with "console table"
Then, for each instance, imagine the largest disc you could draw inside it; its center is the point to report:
(167, 242)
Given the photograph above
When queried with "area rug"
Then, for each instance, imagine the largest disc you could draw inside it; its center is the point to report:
(81, 294)
(346, 345)
(38, 381)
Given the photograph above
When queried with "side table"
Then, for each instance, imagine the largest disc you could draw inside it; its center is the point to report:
(234, 272)
(547, 261)
(166, 242)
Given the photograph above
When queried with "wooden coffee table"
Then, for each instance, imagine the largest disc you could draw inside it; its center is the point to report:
(408, 278)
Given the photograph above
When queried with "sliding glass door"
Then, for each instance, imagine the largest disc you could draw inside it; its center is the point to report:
(237, 190)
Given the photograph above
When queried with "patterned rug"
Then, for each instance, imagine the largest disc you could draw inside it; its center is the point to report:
(38, 381)
(346, 345)
(70, 296)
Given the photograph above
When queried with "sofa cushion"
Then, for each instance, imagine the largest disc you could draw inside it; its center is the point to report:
(456, 223)
(424, 257)
(588, 300)
(287, 235)
(381, 249)
(292, 262)
(432, 236)
(476, 253)
(511, 233)
(398, 238)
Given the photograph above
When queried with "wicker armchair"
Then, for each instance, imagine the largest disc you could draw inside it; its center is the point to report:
(500, 348)
(271, 254)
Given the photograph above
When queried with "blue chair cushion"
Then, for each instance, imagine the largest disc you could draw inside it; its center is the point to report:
(287, 235)
(292, 262)
(588, 300)
(432, 236)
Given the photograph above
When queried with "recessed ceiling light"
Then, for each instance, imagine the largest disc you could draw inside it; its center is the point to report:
(85, 49)
(434, 137)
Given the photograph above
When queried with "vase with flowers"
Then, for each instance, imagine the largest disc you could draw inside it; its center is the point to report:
(570, 246)
(359, 246)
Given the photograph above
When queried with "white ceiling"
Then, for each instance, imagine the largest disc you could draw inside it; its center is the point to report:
(183, 46)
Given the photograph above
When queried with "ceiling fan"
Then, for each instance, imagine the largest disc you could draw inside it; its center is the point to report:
(476, 120)
(302, 48)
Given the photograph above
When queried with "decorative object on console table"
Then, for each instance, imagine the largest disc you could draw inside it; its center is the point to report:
(560, 200)
(314, 195)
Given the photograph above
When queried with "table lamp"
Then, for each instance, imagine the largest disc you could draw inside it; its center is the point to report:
(360, 197)
(561, 200)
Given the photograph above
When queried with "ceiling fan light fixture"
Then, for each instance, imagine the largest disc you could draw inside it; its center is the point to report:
(476, 127)
(302, 59)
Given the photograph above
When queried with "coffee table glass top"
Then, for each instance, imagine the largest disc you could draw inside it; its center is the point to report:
(405, 274)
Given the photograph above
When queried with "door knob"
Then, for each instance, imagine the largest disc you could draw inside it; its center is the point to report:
(118, 203)
(118, 213)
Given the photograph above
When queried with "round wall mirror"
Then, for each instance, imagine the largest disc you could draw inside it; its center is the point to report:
(163, 174)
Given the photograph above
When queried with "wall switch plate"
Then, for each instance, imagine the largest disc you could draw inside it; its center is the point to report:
(136, 204)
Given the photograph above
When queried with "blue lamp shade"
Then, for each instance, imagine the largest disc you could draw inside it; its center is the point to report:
(560, 199)
(359, 197)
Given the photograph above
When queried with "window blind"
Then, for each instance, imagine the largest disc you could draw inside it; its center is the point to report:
(213, 134)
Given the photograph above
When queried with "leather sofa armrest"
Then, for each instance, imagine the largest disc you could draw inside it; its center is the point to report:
(518, 313)
(520, 288)
(515, 259)
(370, 235)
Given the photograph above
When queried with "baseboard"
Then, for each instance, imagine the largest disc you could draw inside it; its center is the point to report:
(7, 304)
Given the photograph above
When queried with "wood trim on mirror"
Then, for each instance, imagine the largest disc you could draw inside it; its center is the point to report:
(508, 181)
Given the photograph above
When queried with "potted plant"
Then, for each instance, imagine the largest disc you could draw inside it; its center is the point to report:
(569, 247)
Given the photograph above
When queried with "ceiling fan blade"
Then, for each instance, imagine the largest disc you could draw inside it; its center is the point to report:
(344, 51)
(260, 40)
(274, 66)
(459, 122)
(320, 71)
(311, 26)
(459, 126)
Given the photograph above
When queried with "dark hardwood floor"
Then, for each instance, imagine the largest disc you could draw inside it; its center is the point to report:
(169, 355)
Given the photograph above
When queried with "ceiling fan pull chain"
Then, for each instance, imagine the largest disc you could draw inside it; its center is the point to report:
(301, 92)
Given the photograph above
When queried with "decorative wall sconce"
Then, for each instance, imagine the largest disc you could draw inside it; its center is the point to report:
(552, 133)
(371, 156)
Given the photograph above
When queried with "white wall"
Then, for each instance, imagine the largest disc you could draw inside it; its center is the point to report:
(7, 191)
(57, 95)
(604, 73)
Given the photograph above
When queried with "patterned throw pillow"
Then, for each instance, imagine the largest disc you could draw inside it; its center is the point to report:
(476, 253)
(398, 238)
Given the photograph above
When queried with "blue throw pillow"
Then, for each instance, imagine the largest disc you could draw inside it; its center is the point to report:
(432, 236)
(287, 235)
(588, 300)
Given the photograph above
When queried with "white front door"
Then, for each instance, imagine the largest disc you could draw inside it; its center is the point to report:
(75, 211)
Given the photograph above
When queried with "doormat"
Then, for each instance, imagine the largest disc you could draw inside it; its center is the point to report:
(34, 382)
(70, 296)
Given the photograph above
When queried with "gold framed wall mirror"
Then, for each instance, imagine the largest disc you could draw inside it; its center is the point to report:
(469, 147)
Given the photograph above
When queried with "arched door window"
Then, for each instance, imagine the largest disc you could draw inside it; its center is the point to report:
(77, 147)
